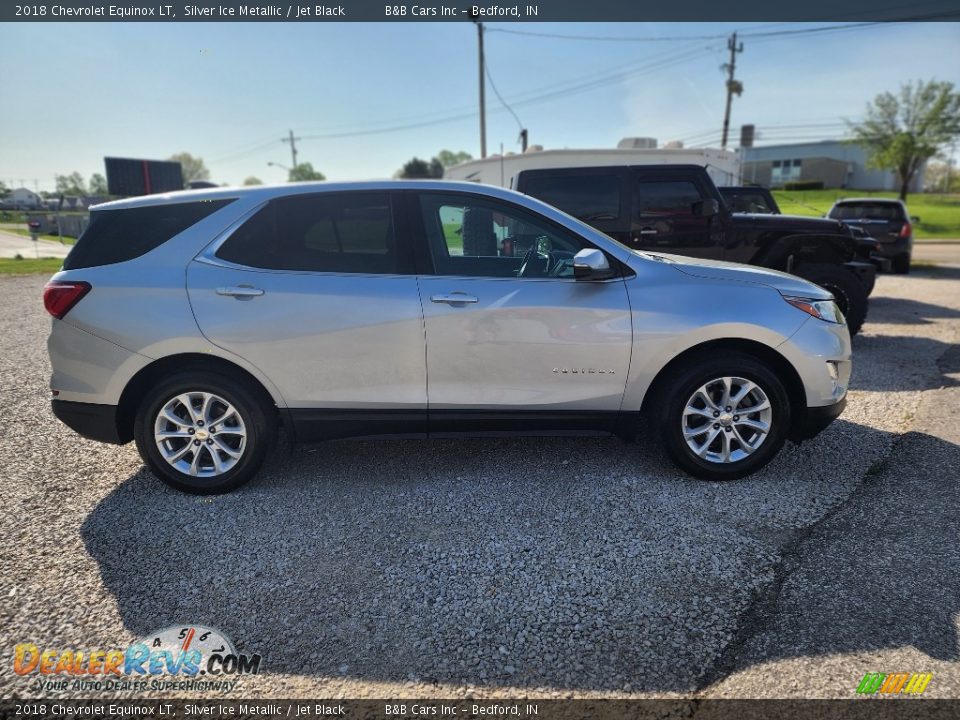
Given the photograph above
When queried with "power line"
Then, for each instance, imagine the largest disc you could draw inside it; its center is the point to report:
(496, 92)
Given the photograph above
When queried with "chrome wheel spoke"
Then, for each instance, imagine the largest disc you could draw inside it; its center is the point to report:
(744, 445)
(226, 448)
(759, 407)
(742, 393)
(702, 449)
(761, 427)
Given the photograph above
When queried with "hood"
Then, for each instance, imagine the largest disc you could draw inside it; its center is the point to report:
(783, 282)
(792, 223)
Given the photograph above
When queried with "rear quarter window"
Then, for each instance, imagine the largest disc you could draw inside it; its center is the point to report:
(115, 236)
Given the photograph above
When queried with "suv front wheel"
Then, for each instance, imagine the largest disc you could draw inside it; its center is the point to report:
(723, 417)
(202, 433)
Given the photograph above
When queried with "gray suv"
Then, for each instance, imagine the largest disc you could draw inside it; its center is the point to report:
(197, 323)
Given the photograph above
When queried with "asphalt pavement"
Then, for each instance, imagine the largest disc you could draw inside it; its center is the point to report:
(12, 245)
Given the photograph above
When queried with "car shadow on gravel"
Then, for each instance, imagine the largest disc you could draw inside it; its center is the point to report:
(902, 311)
(899, 370)
(544, 563)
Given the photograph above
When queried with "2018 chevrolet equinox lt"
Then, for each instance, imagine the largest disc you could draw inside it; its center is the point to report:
(196, 323)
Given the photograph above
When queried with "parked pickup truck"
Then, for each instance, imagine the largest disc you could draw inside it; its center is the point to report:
(677, 209)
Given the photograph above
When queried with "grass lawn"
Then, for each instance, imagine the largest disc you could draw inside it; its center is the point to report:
(30, 266)
(26, 233)
(939, 214)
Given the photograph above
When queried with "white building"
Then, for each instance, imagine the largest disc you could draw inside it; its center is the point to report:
(22, 199)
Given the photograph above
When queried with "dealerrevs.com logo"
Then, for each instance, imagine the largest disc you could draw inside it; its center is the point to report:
(894, 683)
(191, 658)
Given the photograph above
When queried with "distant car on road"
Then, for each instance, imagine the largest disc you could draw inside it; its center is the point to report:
(886, 220)
(749, 200)
(197, 322)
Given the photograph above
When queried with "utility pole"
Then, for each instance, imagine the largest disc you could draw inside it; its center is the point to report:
(733, 85)
(523, 140)
(483, 106)
(293, 147)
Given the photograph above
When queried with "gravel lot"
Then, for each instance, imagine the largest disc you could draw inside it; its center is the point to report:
(527, 567)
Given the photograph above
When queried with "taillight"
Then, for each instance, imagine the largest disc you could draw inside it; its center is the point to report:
(60, 296)
(905, 231)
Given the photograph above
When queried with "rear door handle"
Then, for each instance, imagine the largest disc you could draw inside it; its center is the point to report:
(454, 298)
(240, 291)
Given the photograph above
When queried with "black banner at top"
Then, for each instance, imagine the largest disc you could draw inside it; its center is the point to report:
(501, 11)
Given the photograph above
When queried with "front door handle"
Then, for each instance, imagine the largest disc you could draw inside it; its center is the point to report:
(240, 291)
(648, 231)
(454, 298)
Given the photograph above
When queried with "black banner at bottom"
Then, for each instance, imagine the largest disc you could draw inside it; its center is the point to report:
(854, 709)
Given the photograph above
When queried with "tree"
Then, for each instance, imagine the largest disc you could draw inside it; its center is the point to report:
(417, 168)
(98, 184)
(941, 177)
(192, 167)
(4, 190)
(305, 171)
(72, 184)
(253, 181)
(448, 158)
(903, 131)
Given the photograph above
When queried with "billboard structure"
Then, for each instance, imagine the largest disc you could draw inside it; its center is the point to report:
(129, 176)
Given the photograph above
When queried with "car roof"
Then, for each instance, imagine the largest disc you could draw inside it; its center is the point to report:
(267, 192)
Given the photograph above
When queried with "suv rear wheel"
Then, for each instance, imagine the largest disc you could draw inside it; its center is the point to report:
(723, 417)
(847, 290)
(202, 433)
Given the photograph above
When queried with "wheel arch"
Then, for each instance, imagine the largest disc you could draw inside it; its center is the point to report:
(783, 367)
(134, 391)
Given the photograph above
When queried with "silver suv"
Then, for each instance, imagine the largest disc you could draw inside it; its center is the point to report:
(197, 323)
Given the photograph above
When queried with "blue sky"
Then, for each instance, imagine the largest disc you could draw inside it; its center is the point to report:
(73, 93)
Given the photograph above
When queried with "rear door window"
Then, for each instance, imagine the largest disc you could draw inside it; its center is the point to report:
(115, 236)
(329, 232)
(589, 197)
(666, 197)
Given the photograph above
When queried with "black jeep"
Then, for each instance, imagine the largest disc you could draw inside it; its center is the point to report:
(678, 209)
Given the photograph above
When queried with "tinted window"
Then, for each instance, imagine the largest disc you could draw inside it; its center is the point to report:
(744, 201)
(331, 232)
(674, 197)
(115, 236)
(588, 197)
(478, 238)
(868, 211)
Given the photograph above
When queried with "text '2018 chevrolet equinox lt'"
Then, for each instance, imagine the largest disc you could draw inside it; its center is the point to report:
(196, 323)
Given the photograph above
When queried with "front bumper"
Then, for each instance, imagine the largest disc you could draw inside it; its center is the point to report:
(815, 420)
(93, 421)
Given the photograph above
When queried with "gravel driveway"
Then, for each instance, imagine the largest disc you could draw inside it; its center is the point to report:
(448, 568)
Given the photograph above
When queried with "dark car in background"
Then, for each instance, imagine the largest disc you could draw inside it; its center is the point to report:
(749, 200)
(677, 209)
(886, 220)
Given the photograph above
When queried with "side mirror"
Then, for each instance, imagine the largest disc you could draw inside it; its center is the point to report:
(914, 219)
(706, 208)
(590, 264)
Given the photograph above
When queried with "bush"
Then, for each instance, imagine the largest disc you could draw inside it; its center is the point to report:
(804, 185)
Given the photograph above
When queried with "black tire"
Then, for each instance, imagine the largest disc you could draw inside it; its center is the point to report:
(869, 280)
(253, 411)
(670, 401)
(846, 287)
(901, 264)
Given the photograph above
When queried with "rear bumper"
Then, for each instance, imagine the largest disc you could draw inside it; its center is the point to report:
(93, 421)
(815, 420)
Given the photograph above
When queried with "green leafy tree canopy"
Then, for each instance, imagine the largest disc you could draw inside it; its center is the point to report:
(253, 180)
(902, 131)
(303, 172)
(193, 167)
(72, 184)
(98, 184)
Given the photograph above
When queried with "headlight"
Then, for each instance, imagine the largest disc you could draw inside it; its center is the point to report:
(820, 309)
